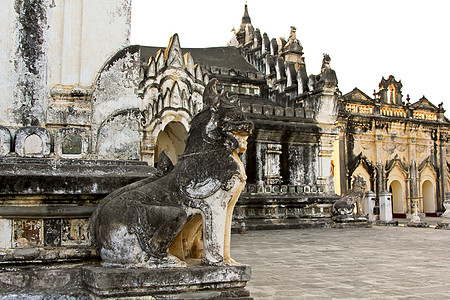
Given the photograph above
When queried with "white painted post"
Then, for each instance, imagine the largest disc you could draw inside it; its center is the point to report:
(385, 206)
(369, 204)
(415, 216)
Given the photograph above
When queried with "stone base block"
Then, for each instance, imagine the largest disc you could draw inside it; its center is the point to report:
(41, 281)
(443, 225)
(384, 223)
(347, 221)
(193, 282)
(417, 224)
(350, 218)
(291, 223)
(352, 225)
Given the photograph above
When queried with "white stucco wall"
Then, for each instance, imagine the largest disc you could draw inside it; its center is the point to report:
(74, 39)
(7, 42)
(84, 35)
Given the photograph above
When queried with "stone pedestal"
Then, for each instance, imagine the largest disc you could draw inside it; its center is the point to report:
(369, 205)
(346, 221)
(385, 206)
(193, 282)
(445, 224)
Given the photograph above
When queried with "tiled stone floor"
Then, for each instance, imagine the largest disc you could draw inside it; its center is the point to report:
(381, 262)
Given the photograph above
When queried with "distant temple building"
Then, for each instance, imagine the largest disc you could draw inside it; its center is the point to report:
(84, 113)
(396, 146)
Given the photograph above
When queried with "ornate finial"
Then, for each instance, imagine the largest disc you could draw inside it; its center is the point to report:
(233, 30)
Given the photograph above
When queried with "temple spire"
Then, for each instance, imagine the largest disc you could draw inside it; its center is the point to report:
(244, 36)
(246, 18)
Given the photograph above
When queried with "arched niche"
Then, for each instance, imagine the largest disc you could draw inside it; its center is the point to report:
(171, 140)
(398, 205)
(152, 133)
(119, 136)
(397, 186)
(429, 198)
(32, 141)
(428, 190)
(32, 145)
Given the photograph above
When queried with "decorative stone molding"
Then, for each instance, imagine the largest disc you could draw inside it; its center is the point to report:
(118, 136)
(32, 141)
(5, 141)
(71, 143)
(171, 91)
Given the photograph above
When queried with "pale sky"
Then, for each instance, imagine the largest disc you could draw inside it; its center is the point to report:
(365, 39)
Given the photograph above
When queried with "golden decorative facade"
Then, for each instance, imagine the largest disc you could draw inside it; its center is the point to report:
(395, 146)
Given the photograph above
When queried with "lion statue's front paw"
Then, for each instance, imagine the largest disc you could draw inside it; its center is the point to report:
(207, 262)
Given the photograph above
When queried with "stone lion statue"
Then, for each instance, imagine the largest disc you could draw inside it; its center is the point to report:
(162, 221)
(346, 204)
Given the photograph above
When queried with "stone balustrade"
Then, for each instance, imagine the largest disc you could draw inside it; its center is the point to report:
(359, 109)
(389, 111)
(277, 111)
(393, 112)
(34, 141)
(283, 189)
(425, 116)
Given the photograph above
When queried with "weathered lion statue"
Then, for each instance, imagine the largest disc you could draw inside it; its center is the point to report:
(186, 213)
(346, 204)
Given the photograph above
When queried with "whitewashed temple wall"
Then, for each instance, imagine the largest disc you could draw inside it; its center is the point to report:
(54, 43)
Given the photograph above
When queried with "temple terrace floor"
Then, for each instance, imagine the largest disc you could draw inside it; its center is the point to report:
(382, 262)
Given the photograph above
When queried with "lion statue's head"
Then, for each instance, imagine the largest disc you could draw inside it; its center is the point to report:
(221, 123)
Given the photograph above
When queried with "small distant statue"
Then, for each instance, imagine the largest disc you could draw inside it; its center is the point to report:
(346, 204)
(326, 62)
(446, 214)
(186, 212)
(292, 34)
(327, 77)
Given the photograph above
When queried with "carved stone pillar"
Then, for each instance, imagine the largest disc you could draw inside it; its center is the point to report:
(148, 146)
(324, 176)
(259, 164)
(413, 186)
(272, 167)
(442, 197)
(380, 178)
